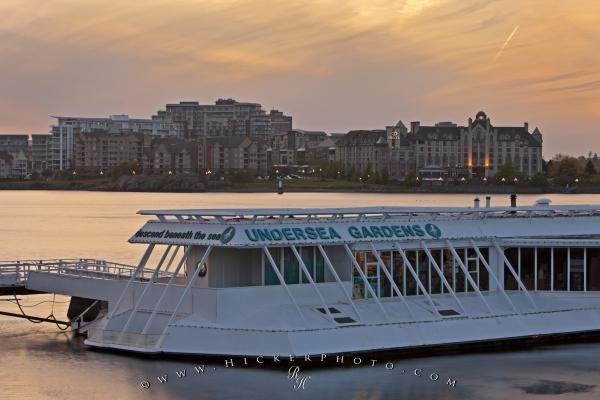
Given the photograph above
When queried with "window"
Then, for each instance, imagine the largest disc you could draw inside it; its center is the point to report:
(289, 267)
(512, 255)
(560, 268)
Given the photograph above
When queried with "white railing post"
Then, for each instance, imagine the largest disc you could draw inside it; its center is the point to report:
(584, 269)
(512, 271)
(366, 281)
(442, 277)
(468, 276)
(338, 280)
(187, 288)
(165, 289)
(312, 282)
(416, 277)
(282, 282)
(143, 261)
(146, 287)
(491, 273)
(383, 267)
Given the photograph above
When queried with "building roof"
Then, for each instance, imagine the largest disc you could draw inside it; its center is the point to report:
(230, 141)
(364, 138)
(511, 133)
(438, 132)
(400, 124)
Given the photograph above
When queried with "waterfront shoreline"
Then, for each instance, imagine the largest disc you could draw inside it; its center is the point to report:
(187, 185)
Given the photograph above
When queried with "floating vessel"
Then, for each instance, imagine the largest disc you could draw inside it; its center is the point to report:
(298, 281)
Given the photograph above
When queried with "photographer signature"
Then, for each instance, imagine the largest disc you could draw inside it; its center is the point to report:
(298, 379)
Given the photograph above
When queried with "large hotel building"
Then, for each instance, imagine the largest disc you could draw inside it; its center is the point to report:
(478, 149)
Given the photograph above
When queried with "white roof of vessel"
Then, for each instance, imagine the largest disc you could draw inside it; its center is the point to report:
(364, 210)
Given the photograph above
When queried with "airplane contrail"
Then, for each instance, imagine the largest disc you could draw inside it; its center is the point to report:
(508, 39)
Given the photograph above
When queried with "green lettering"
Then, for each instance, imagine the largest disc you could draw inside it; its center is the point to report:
(354, 232)
(418, 230)
(366, 232)
(397, 231)
(299, 233)
(287, 233)
(333, 234)
(311, 233)
(276, 234)
(322, 233)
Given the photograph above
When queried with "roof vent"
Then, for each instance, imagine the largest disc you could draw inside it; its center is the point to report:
(544, 201)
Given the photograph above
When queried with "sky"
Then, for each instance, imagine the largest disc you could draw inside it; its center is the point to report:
(334, 65)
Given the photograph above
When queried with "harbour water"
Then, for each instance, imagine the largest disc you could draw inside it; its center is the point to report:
(38, 361)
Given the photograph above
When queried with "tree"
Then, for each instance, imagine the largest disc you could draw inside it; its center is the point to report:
(507, 171)
(385, 176)
(565, 170)
(539, 180)
(590, 169)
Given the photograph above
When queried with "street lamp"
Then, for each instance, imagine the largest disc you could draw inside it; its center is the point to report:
(485, 179)
(503, 179)
(576, 180)
(516, 180)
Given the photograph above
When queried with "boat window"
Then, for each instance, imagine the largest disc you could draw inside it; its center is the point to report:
(576, 262)
(560, 268)
(526, 267)
(512, 255)
(593, 268)
(434, 278)
(544, 259)
(398, 272)
(289, 266)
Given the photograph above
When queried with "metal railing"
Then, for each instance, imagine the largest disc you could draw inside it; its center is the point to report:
(282, 215)
(16, 273)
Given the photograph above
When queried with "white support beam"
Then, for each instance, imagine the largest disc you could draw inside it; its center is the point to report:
(172, 257)
(416, 277)
(585, 269)
(366, 281)
(442, 277)
(512, 271)
(312, 283)
(191, 282)
(391, 280)
(165, 290)
(535, 269)
(568, 269)
(338, 280)
(134, 274)
(146, 287)
(282, 282)
(496, 280)
(467, 274)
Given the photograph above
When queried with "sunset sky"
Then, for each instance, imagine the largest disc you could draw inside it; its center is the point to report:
(333, 65)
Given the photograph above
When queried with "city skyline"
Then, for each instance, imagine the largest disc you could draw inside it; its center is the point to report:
(352, 66)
